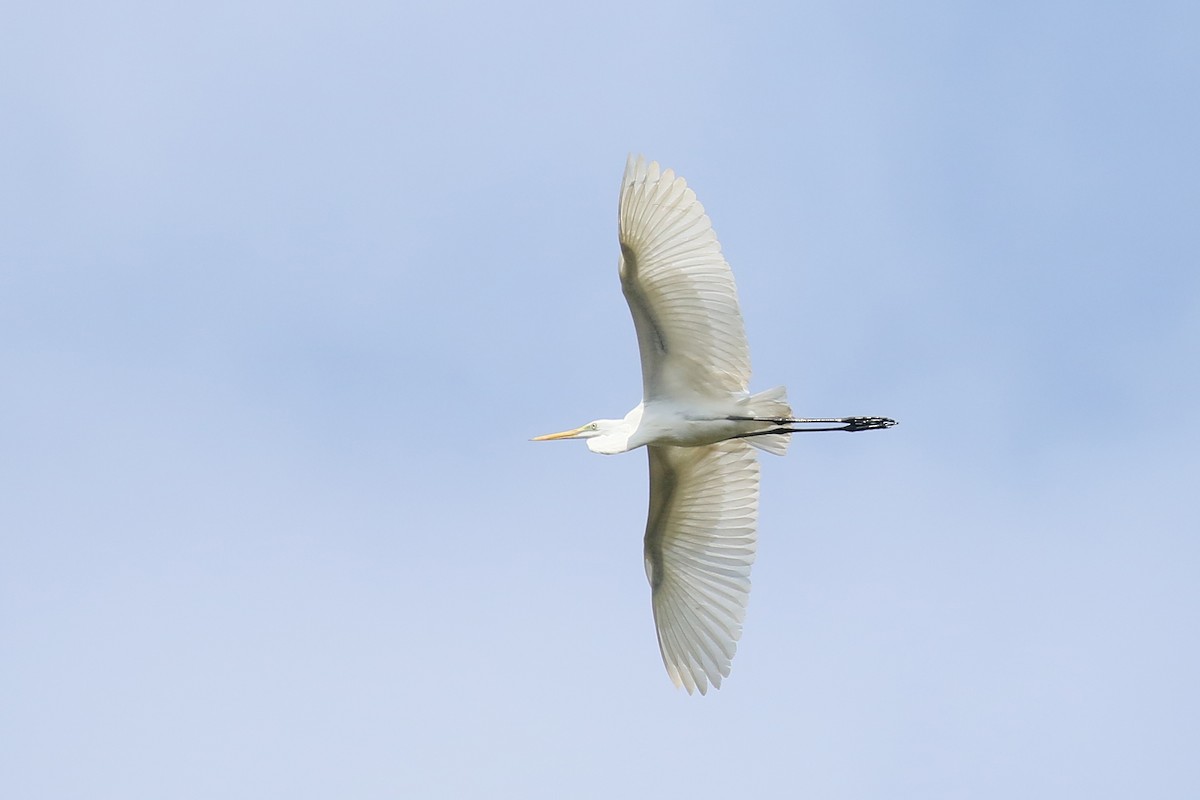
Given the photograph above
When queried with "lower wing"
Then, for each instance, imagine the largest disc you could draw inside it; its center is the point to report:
(700, 545)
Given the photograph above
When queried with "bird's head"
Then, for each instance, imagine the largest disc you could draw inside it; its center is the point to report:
(582, 432)
(607, 435)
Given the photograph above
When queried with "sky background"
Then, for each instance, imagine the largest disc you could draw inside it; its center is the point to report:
(285, 288)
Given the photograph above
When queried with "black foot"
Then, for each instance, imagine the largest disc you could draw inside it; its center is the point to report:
(837, 423)
(868, 423)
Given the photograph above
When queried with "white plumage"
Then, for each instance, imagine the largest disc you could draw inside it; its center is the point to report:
(700, 545)
(679, 288)
(697, 420)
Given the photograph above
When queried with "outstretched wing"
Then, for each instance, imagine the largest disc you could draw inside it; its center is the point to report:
(700, 545)
(679, 288)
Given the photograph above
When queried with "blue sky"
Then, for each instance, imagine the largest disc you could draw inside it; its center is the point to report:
(286, 287)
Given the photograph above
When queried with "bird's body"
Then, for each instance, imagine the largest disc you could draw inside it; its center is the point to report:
(697, 420)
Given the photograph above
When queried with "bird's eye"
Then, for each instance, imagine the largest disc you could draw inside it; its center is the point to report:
(594, 426)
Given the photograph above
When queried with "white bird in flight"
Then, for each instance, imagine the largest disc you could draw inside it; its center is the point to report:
(697, 420)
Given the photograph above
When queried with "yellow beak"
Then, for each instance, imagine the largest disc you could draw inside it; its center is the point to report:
(571, 434)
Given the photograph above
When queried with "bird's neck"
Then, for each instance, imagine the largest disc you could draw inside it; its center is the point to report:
(617, 435)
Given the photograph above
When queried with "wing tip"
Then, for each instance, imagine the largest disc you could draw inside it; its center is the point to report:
(639, 169)
(695, 680)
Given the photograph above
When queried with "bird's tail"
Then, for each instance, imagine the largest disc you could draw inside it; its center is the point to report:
(771, 403)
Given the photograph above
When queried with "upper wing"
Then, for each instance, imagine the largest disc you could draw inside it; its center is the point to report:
(700, 545)
(679, 288)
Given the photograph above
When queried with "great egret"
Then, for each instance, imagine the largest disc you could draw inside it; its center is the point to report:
(697, 421)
